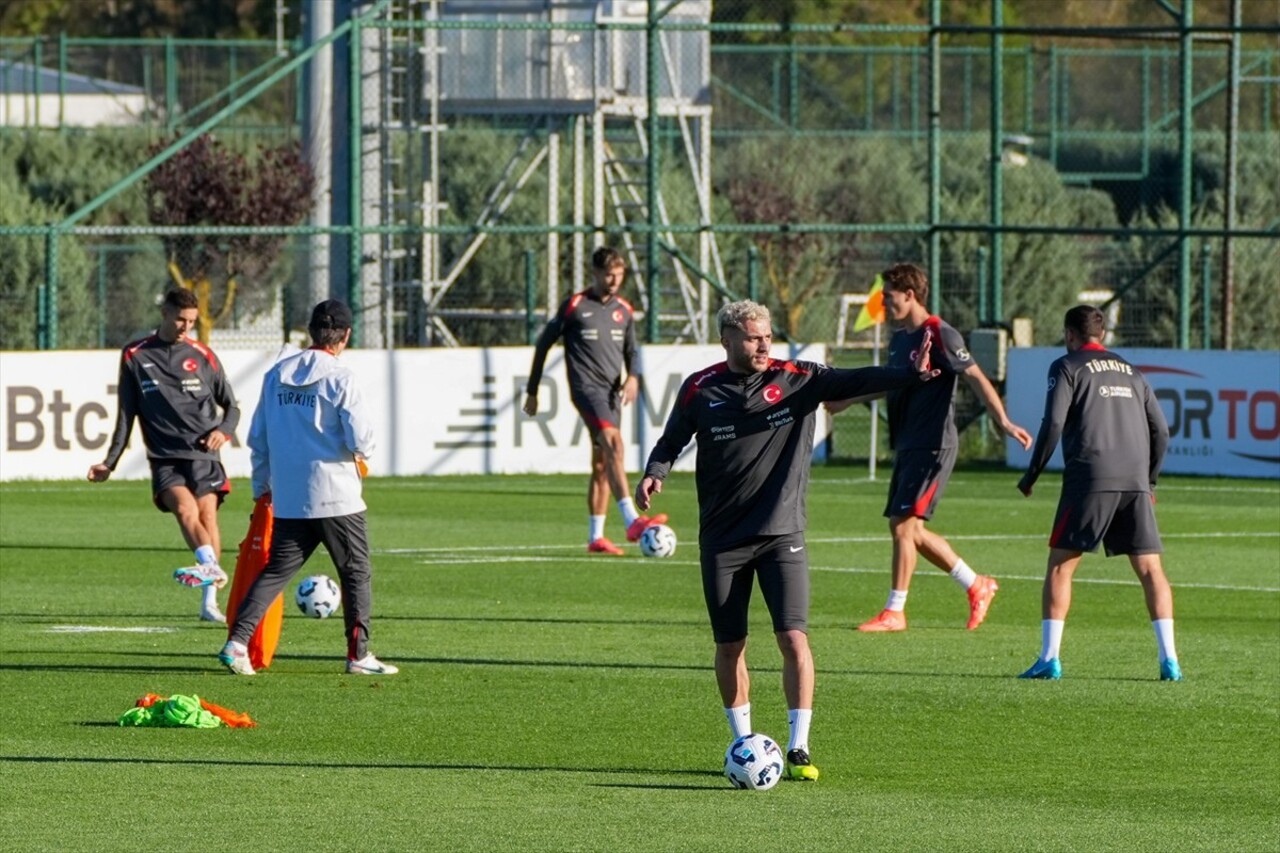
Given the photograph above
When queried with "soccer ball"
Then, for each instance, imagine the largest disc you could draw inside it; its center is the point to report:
(658, 540)
(318, 597)
(753, 762)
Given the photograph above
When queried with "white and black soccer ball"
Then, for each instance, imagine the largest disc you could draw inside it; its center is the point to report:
(753, 762)
(318, 597)
(658, 540)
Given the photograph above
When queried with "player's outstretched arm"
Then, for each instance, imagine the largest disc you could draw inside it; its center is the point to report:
(986, 392)
(645, 490)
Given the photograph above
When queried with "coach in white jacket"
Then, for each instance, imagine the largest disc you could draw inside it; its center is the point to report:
(308, 441)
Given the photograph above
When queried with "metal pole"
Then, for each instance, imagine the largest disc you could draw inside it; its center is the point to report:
(579, 134)
(654, 65)
(874, 446)
(1053, 105)
(1206, 295)
(355, 192)
(170, 85)
(102, 297)
(935, 154)
(317, 141)
(37, 86)
(1185, 156)
(282, 9)
(343, 129)
(51, 289)
(62, 81)
(997, 166)
(1229, 218)
(553, 211)
(753, 276)
(984, 317)
(530, 296)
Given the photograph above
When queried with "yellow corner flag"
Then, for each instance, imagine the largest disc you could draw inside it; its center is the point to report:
(873, 310)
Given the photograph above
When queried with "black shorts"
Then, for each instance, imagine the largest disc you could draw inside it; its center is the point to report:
(782, 565)
(599, 410)
(201, 476)
(919, 479)
(1124, 522)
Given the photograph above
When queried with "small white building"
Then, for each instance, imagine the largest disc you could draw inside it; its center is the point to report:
(33, 96)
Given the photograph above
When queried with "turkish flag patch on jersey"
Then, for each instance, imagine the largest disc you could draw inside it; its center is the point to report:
(617, 316)
(771, 394)
(190, 365)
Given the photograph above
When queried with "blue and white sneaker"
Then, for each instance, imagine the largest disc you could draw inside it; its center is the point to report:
(235, 657)
(1170, 671)
(1049, 670)
(201, 575)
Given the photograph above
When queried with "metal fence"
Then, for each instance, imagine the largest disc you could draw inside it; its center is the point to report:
(814, 155)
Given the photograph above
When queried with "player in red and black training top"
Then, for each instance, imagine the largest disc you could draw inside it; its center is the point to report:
(174, 386)
(922, 433)
(1114, 438)
(753, 418)
(599, 332)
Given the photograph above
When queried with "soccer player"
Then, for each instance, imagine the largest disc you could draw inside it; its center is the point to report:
(922, 433)
(1114, 438)
(308, 442)
(753, 418)
(599, 341)
(174, 386)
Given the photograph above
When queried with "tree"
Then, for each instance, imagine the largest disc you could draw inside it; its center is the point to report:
(778, 181)
(208, 184)
(24, 271)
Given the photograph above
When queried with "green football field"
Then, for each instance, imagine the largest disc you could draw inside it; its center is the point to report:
(549, 700)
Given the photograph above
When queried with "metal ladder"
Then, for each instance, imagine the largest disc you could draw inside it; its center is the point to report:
(408, 134)
(629, 204)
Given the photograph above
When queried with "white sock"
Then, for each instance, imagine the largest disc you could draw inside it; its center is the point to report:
(1164, 639)
(595, 527)
(799, 719)
(897, 600)
(205, 555)
(963, 575)
(1050, 638)
(739, 719)
(210, 597)
(628, 509)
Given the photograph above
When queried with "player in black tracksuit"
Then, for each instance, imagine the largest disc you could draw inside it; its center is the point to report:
(753, 418)
(599, 331)
(1114, 438)
(174, 387)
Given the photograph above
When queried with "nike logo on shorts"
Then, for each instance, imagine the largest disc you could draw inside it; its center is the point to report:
(795, 550)
(215, 484)
(716, 403)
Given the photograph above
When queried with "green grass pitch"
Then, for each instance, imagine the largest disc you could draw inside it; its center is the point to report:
(549, 700)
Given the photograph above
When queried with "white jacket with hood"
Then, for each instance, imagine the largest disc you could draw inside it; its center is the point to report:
(310, 423)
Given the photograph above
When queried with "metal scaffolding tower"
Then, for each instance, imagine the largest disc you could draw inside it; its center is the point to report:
(581, 87)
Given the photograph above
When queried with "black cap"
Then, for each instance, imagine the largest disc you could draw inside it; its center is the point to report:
(331, 314)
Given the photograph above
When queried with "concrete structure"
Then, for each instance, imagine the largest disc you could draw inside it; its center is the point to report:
(32, 96)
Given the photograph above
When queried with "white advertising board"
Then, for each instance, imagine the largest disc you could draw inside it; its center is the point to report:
(1223, 408)
(437, 411)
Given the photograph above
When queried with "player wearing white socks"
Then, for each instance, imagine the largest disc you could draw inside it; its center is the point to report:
(1114, 438)
(174, 386)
